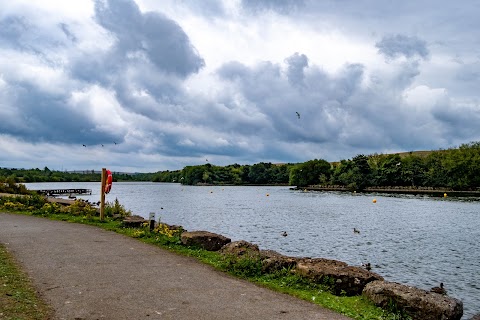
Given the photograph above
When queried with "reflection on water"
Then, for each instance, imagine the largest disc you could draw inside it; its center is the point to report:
(419, 241)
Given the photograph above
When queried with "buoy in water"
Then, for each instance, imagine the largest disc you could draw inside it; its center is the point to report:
(268, 194)
(445, 195)
(374, 200)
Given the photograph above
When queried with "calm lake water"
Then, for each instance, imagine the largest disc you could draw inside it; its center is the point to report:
(420, 241)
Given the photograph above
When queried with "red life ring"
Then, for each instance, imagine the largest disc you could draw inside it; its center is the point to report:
(108, 184)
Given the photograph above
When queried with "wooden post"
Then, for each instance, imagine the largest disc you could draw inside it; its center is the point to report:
(152, 221)
(102, 194)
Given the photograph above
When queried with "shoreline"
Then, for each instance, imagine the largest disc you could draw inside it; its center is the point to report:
(395, 190)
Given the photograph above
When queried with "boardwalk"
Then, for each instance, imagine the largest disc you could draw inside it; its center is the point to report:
(51, 192)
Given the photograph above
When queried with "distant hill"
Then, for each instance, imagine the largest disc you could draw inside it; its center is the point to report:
(422, 154)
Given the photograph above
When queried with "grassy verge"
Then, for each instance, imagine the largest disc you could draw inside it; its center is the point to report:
(18, 299)
(356, 307)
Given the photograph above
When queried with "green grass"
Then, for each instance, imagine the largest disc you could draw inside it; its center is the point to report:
(356, 307)
(18, 298)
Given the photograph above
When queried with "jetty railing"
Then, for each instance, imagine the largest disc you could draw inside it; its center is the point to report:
(54, 192)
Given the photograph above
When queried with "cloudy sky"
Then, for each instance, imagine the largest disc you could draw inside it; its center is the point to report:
(150, 85)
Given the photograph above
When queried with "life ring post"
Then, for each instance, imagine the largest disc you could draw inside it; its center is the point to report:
(102, 194)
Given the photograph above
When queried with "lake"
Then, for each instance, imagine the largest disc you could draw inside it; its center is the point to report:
(415, 240)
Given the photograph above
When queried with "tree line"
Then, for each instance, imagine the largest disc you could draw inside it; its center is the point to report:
(455, 168)
(47, 175)
(259, 174)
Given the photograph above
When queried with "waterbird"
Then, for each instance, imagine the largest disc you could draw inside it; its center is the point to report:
(440, 290)
(367, 266)
(284, 233)
(355, 230)
(298, 114)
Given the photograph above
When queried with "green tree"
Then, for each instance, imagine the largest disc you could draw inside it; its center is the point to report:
(309, 173)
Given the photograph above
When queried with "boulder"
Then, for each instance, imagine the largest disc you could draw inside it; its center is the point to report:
(343, 279)
(204, 239)
(133, 221)
(241, 249)
(273, 261)
(417, 303)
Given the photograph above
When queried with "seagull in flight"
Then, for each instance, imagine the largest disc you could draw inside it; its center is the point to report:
(114, 142)
(84, 145)
(298, 114)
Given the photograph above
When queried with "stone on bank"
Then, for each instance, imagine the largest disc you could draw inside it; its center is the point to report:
(417, 303)
(206, 240)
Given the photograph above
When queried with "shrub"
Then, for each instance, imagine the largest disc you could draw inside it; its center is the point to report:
(116, 209)
(51, 208)
(168, 234)
(12, 206)
(80, 208)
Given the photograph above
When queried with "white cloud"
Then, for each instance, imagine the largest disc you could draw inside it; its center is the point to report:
(175, 82)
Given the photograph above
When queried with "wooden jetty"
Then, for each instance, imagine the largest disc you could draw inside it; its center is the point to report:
(55, 192)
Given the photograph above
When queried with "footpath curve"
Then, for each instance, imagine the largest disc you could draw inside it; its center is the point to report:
(85, 272)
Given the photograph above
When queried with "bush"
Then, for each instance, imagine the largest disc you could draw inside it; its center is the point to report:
(116, 209)
(80, 208)
(9, 185)
(168, 234)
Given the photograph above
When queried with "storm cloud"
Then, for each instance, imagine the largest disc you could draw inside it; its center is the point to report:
(150, 87)
(397, 45)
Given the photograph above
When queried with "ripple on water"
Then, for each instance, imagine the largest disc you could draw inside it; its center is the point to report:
(419, 241)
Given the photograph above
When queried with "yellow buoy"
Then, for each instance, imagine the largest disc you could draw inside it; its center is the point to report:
(444, 195)
(374, 200)
(354, 191)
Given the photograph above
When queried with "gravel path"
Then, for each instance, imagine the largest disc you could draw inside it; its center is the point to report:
(85, 272)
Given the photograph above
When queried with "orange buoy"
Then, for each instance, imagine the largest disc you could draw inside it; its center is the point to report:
(374, 200)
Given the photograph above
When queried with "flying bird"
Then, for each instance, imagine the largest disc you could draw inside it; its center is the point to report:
(114, 142)
(84, 145)
(298, 114)
(102, 145)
